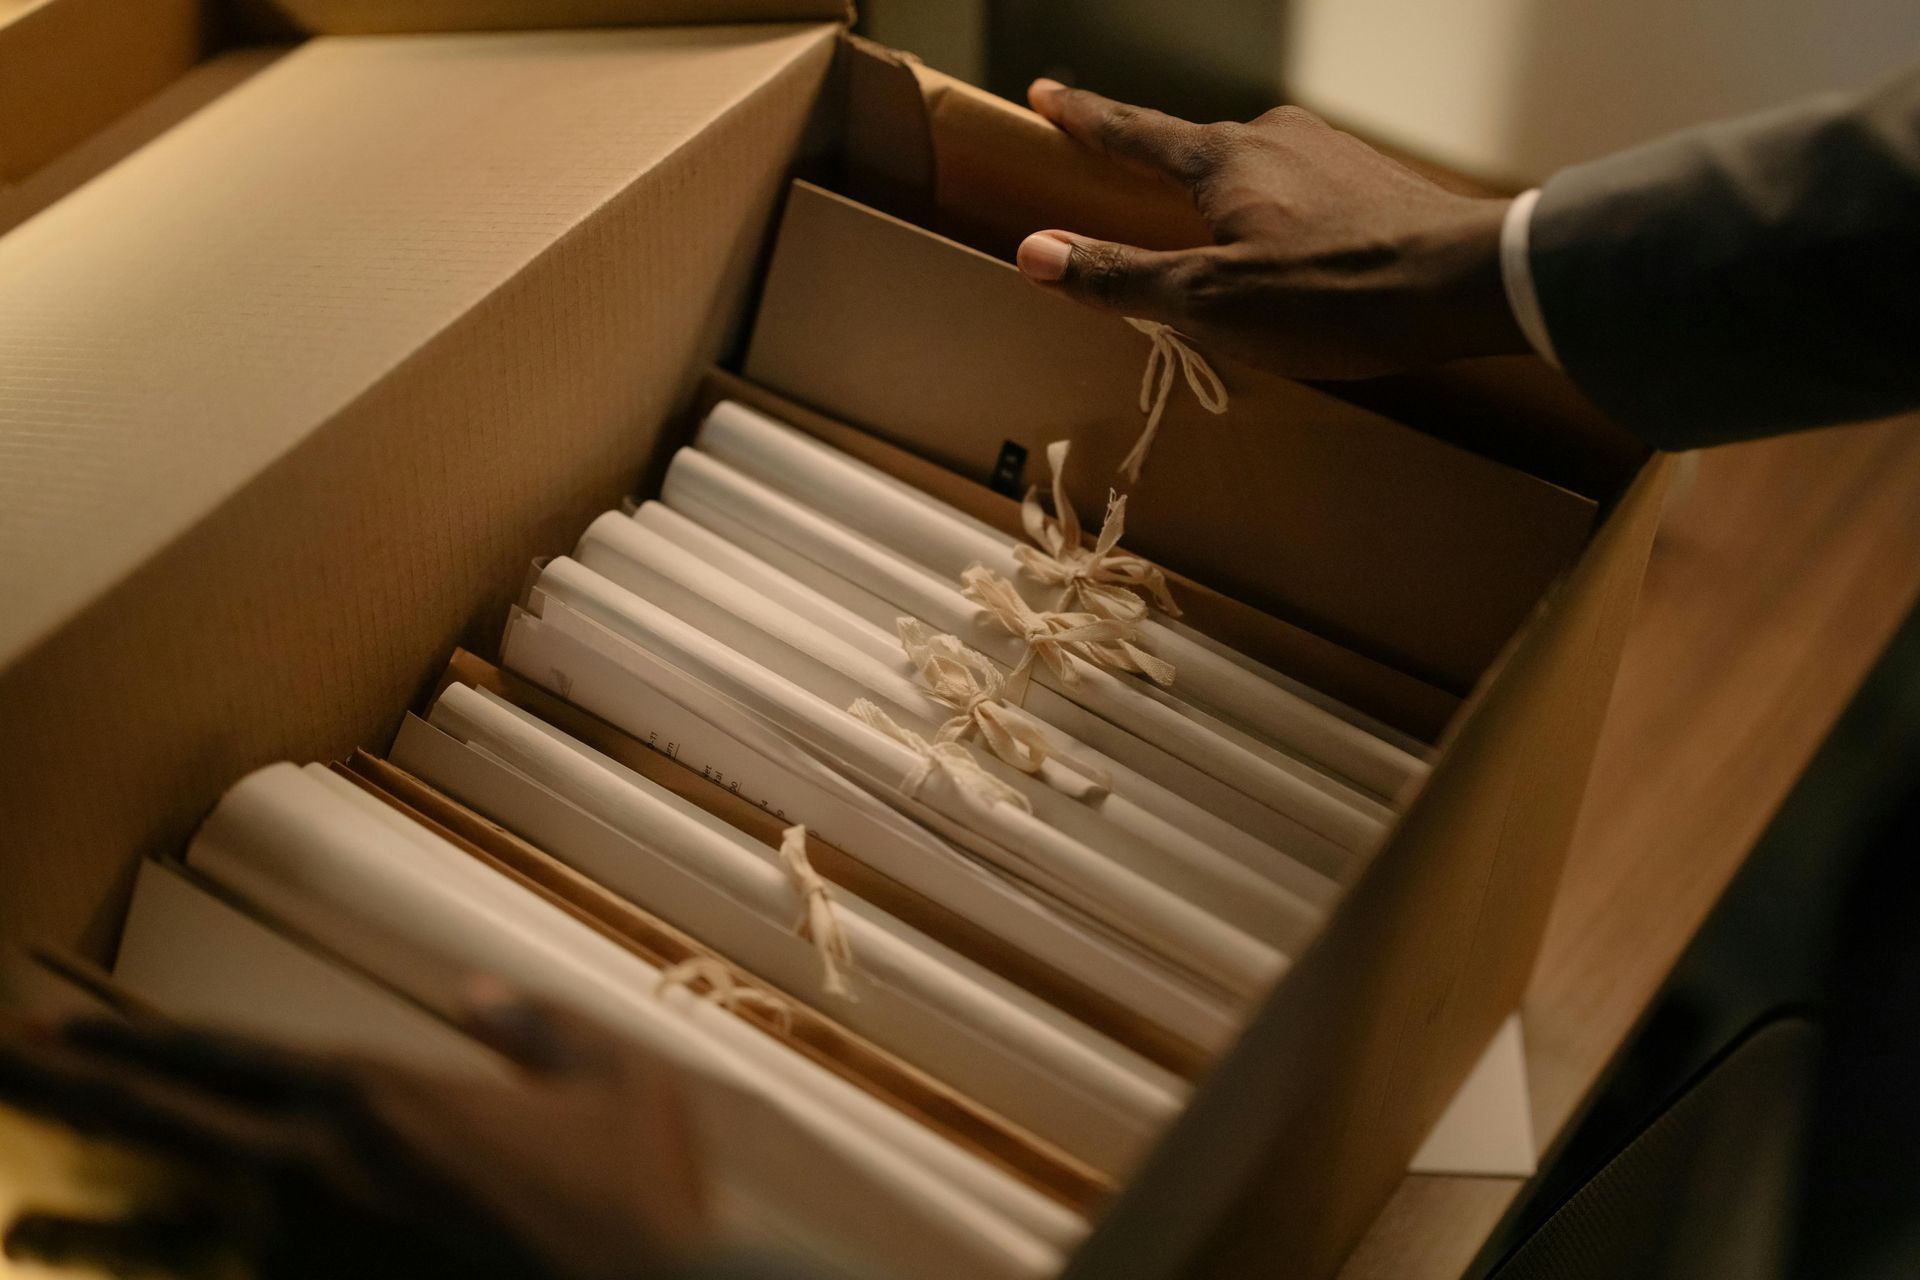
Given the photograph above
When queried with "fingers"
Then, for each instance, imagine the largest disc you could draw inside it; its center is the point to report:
(539, 1035)
(243, 1071)
(100, 1097)
(1168, 144)
(169, 1243)
(1113, 277)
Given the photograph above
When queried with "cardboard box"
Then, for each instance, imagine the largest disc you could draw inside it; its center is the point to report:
(297, 388)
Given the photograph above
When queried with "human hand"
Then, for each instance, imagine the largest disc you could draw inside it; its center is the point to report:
(1330, 260)
(311, 1165)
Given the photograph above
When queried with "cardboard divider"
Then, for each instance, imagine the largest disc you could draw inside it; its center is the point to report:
(853, 875)
(69, 67)
(1303, 1130)
(1003, 172)
(240, 541)
(1391, 696)
(1372, 535)
(809, 1032)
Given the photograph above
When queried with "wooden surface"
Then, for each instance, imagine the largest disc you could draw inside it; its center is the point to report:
(1779, 576)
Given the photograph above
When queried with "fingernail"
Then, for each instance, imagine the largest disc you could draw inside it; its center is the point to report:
(1043, 256)
(1045, 85)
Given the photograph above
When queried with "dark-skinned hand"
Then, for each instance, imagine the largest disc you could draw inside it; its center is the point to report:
(1330, 260)
(313, 1165)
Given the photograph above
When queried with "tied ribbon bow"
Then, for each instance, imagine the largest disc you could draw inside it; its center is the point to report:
(1100, 580)
(967, 683)
(725, 988)
(1169, 357)
(966, 772)
(1058, 638)
(818, 921)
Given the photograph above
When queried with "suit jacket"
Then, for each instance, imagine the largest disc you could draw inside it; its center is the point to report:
(1743, 278)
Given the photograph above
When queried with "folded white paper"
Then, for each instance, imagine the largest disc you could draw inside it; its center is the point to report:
(786, 1142)
(934, 535)
(813, 657)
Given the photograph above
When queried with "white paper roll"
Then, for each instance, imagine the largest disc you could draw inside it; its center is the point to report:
(579, 659)
(777, 1132)
(1303, 882)
(794, 647)
(1025, 845)
(934, 535)
(911, 995)
(1326, 826)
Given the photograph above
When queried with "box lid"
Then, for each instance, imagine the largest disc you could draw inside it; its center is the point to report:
(181, 323)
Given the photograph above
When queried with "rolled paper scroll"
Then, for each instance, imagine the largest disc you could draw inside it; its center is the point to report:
(309, 850)
(916, 997)
(932, 534)
(1286, 803)
(603, 673)
(1204, 823)
(1056, 791)
(1021, 844)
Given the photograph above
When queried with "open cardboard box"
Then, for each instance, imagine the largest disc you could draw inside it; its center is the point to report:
(297, 386)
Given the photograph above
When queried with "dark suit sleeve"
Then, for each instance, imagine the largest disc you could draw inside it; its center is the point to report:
(1745, 278)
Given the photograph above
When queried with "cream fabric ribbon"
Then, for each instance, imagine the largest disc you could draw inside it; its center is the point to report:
(967, 682)
(1169, 357)
(1057, 638)
(818, 921)
(951, 758)
(1100, 580)
(725, 989)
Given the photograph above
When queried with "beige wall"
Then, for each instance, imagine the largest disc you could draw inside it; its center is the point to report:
(1518, 88)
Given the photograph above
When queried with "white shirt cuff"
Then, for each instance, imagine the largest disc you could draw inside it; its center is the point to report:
(1516, 272)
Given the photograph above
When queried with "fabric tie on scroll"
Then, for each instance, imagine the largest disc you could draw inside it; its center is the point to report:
(1098, 580)
(951, 758)
(818, 921)
(1169, 356)
(1056, 638)
(968, 682)
(724, 988)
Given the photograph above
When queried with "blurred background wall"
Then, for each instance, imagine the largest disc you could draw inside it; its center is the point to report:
(1505, 90)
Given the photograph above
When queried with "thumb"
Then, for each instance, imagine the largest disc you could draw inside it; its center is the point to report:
(1113, 277)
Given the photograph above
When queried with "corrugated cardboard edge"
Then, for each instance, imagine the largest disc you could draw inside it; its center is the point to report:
(299, 617)
(281, 19)
(69, 67)
(1293, 1145)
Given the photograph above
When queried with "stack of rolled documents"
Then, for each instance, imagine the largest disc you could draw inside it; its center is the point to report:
(939, 863)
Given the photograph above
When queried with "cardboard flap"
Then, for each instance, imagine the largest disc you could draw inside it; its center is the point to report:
(198, 311)
(1366, 532)
(282, 18)
(68, 67)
